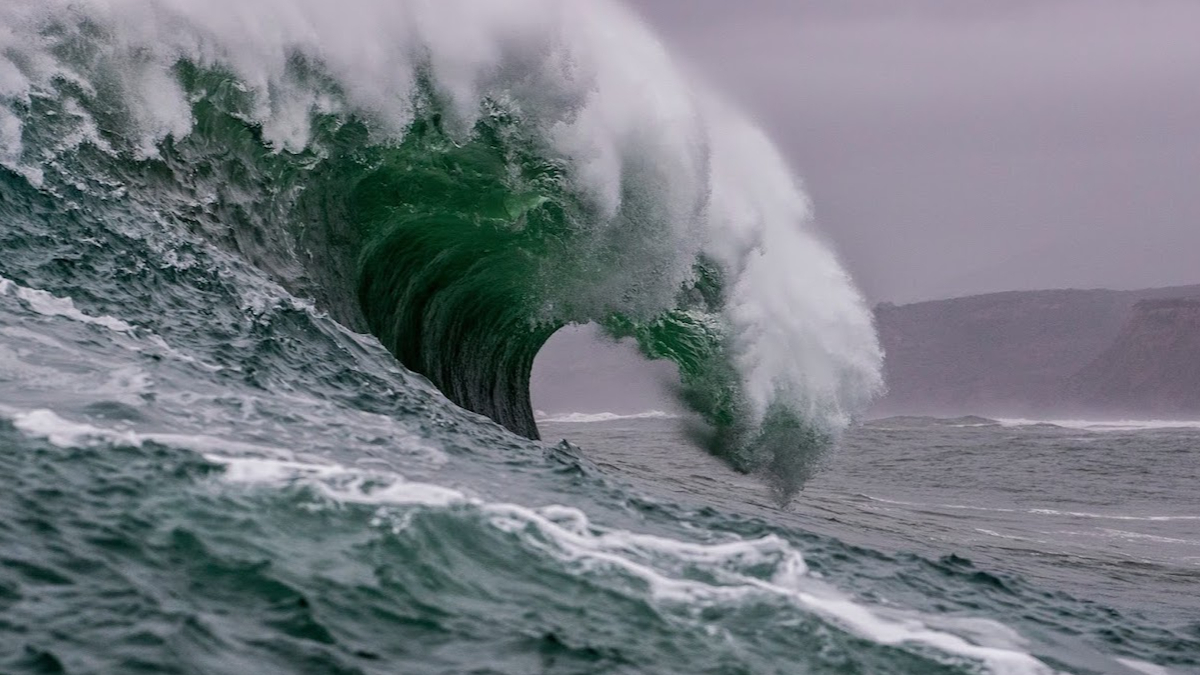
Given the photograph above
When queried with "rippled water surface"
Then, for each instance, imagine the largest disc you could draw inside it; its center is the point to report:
(1107, 510)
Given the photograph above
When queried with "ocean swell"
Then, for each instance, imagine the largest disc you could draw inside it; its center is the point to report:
(461, 179)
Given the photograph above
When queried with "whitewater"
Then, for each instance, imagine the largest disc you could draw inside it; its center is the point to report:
(273, 278)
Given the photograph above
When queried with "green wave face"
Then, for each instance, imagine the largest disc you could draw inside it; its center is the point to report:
(469, 247)
(450, 275)
(462, 252)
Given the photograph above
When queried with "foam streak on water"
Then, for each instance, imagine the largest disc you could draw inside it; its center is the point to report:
(1105, 425)
(737, 572)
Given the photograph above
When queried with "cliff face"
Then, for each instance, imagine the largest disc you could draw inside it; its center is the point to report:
(1017, 353)
(1153, 365)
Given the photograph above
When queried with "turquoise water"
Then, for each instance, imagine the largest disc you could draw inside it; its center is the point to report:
(273, 277)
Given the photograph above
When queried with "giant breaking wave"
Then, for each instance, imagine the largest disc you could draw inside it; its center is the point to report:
(460, 179)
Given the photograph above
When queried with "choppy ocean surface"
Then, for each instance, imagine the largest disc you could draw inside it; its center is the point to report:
(164, 511)
(224, 227)
(1106, 510)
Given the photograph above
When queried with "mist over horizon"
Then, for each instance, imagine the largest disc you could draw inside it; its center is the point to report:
(957, 148)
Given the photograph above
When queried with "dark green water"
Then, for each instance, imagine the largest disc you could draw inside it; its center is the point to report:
(257, 261)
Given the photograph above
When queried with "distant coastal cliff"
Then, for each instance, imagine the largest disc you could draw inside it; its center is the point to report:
(1154, 363)
(1038, 353)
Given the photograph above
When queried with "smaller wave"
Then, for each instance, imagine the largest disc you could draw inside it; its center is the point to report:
(1125, 534)
(589, 418)
(1143, 667)
(65, 433)
(1105, 516)
(673, 575)
(48, 304)
(921, 421)
(1012, 537)
(1106, 425)
(1036, 512)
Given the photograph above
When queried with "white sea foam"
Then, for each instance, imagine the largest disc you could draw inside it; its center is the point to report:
(48, 304)
(336, 481)
(737, 571)
(1109, 516)
(600, 88)
(1143, 667)
(999, 535)
(1125, 534)
(1039, 512)
(64, 433)
(1105, 425)
(589, 418)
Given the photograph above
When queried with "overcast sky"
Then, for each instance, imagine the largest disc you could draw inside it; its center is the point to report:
(964, 146)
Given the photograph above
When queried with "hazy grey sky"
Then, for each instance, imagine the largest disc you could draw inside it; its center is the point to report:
(963, 146)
